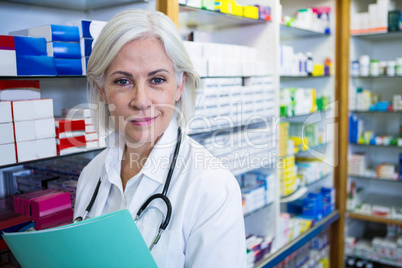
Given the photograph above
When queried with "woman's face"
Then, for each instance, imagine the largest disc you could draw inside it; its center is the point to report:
(141, 90)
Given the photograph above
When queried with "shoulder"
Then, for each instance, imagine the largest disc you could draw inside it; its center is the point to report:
(93, 169)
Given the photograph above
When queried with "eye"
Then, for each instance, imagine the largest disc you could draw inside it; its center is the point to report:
(122, 82)
(158, 80)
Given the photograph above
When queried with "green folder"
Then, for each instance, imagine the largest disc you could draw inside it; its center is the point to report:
(110, 240)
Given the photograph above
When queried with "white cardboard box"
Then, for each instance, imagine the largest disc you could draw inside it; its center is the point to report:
(8, 63)
(34, 129)
(32, 109)
(7, 155)
(7, 133)
(36, 149)
(5, 112)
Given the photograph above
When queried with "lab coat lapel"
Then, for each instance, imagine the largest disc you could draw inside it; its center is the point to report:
(102, 194)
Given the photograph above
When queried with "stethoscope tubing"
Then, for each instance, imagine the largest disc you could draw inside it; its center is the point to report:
(162, 195)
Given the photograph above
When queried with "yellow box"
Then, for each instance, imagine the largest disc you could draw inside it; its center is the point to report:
(251, 12)
(223, 6)
(236, 10)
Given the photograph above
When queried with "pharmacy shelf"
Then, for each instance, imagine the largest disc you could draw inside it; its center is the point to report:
(316, 258)
(273, 259)
(257, 210)
(371, 218)
(97, 150)
(303, 76)
(302, 190)
(379, 36)
(376, 263)
(375, 112)
(292, 32)
(80, 5)
(203, 19)
(312, 148)
(297, 116)
(377, 77)
(378, 146)
(374, 179)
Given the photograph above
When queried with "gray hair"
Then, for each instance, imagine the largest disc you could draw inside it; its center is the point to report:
(131, 25)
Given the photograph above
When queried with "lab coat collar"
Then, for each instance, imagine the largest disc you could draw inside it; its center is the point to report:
(158, 163)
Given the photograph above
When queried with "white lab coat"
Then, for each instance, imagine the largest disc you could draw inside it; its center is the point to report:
(207, 226)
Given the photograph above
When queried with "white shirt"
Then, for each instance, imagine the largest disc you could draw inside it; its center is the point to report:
(207, 226)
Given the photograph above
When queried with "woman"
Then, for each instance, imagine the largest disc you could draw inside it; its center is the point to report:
(143, 79)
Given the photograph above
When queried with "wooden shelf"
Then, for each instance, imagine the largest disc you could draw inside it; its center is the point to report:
(364, 217)
(273, 259)
(53, 157)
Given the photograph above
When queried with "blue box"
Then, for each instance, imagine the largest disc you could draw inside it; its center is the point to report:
(86, 47)
(64, 50)
(35, 65)
(68, 66)
(30, 46)
(89, 28)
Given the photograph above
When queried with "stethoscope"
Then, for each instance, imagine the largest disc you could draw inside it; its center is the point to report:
(162, 196)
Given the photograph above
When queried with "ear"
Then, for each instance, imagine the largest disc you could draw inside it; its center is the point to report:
(179, 90)
(102, 94)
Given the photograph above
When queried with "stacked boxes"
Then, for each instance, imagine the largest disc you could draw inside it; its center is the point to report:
(213, 60)
(7, 146)
(8, 63)
(89, 31)
(70, 136)
(258, 189)
(47, 207)
(34, 129)
(224, 102)
(93, 139)
(287, 175)
(26, 124)
(374, 20)
(31, 52)
(283, 138)
(62, 45)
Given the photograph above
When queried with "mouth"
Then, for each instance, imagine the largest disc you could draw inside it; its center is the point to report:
(140, 122)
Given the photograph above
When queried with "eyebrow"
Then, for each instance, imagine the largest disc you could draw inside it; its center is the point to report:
(149, 74)
(157, 71)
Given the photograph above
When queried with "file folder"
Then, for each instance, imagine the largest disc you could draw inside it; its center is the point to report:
(110, 240)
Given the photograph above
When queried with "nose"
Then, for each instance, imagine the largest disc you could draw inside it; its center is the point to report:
(140, 99)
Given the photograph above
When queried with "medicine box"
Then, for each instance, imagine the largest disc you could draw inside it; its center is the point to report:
(7, 155)
(88, 28)
(32, 109)
(68, 66)
(7, 133)
(8, 63)
(63, 50)
(50, 204)
(30, 46)
(34, 129)
(51, 32)
(35, 65)
(5, 112)
(11, 90)
(36, 149)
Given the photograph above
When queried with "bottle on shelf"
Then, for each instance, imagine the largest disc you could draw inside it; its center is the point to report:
(309, 64)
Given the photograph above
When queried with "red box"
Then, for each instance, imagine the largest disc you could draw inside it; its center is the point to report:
(50, 204)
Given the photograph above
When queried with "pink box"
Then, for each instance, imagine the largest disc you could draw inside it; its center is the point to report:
(49, 204)
(55, 219)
